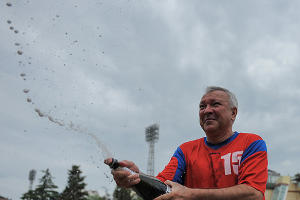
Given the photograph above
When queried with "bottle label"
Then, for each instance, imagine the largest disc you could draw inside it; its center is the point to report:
(168, 190)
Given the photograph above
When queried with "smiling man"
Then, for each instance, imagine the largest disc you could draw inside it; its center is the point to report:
(222, 165)
(217, 112)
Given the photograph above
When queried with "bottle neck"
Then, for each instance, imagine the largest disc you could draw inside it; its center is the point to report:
(114, 164)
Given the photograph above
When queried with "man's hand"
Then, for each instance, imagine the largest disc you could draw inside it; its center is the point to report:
(123, 177)
(178, 192)
(237, 192)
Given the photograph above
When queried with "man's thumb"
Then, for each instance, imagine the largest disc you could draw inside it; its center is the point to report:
(170, 183)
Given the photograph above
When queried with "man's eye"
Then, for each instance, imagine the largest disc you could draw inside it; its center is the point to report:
(201, 107)
(216, 104)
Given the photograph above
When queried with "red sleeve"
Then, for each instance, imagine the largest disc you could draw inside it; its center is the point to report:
(254, 171)
(169, 172)
(175, 169)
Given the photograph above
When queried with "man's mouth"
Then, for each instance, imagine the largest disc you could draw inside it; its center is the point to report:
(209, 119)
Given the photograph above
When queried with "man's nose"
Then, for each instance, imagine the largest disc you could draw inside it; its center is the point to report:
(208, 109)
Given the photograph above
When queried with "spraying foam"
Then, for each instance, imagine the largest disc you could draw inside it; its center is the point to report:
(71, 126)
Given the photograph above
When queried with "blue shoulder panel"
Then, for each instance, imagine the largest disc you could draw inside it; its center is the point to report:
(180, 171)
(256, 146)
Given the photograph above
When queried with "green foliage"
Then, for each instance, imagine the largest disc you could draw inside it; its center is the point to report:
(30, 195)
(134, 196)
(75, 189)
(121, 194)
(44, 191)
(96, 197)
(75, 186)
(93, 197)
(125, 194)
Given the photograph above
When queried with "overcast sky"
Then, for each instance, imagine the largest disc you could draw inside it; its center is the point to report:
(110, 68)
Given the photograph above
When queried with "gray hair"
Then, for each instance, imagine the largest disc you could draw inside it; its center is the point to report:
(232, 99)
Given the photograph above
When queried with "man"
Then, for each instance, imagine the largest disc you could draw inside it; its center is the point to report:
(223, 165)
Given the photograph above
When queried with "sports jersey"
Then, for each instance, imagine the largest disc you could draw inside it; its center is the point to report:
(241, 159)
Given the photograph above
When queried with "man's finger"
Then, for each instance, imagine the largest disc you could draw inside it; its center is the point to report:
(130, 165)
(120, 173)
(169, 182)
(163, 197)
(107, 161)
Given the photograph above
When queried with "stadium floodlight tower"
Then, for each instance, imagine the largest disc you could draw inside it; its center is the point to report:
(151, 138)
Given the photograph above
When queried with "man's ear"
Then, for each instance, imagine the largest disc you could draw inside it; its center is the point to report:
(234, 113)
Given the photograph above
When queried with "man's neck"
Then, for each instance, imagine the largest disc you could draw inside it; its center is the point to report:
(218, 137)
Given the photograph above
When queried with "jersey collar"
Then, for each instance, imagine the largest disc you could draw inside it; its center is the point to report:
(219, 145)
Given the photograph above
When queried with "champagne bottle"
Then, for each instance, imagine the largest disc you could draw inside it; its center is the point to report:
(149, 187)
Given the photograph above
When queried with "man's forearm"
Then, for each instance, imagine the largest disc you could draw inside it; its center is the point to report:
(238, 192)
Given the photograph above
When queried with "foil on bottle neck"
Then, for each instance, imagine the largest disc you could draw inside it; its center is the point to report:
(114, 164)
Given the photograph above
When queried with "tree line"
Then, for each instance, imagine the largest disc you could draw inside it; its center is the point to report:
(74, 190)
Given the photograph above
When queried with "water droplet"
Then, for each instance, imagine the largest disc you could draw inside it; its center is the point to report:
(29, 100)
(22, 74)
(16, 31)
(11, 28)
(17, 44)
(8, 4)
(20, 52)
(26, 90)
(8, 21)
(39, 112)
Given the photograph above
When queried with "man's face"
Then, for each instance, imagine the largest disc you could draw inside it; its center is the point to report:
(215, 112)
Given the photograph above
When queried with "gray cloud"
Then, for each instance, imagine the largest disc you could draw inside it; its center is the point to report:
(112, 68)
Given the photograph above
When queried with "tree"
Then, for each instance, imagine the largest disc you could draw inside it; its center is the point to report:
(121, 193)
(75, 186)
(134, 196)
(96, 197)
(124, 194)
(46, 189)
(30, 195)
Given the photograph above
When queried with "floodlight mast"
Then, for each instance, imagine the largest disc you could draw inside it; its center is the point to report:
(152, 135)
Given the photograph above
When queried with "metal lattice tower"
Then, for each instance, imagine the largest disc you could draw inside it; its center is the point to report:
(31, 178)
(151, 138)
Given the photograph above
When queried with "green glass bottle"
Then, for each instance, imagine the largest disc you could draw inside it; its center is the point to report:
(149, 187)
